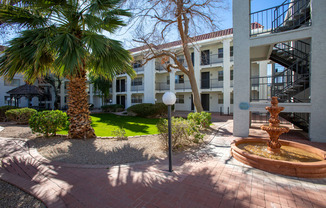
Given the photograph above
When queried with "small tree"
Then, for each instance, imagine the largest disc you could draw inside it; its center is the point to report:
(157, 19)
(103, 85)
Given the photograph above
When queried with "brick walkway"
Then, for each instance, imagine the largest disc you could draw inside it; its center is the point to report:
(207, 178)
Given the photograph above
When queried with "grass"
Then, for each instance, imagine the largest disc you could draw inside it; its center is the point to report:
(105, 123)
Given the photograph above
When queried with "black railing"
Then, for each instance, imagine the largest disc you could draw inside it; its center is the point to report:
(137, 88)
(139, 69)
(159, 67)
(289, 15)
(211, 83)
(162, 86)
(293, 50)
(211, 59)
(185, 85)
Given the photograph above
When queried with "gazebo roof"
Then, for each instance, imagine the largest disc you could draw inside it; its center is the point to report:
(26, 90)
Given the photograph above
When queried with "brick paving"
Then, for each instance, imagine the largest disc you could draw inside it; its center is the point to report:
(206, 178)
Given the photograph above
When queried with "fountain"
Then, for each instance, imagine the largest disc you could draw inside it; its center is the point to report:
(274, 129)
(280, 156)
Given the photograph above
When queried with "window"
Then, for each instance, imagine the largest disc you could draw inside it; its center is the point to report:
(231, 51)
(220, 53)
(220, 98)
(205, 57)
(120, 85)
(231, 98)
(179, 79)
(193, 58)
(180, 99)
(13, 83)
(7, 100)
(220, 75)
(136, 99)
(137, 81)
(231, 75)
(168, 79)
(136, 64)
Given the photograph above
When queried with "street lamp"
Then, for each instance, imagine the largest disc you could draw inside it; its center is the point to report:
(169, 99)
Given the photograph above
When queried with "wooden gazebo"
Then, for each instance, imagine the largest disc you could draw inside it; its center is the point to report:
(28, 91)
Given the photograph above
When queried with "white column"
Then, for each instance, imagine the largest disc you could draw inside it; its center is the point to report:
(317, 131)
(128, 90)
(149, 82)
(226, 76)
(263, 81)
(197, 66)
(62, 93)
(114, 91)
(91, 94)
(241, 46)
(172, 77)
(197, 53)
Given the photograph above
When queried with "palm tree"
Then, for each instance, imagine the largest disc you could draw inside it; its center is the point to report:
(64, 37)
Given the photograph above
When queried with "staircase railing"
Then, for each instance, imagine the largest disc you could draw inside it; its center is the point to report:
(274, 19)
(294, 52)
(288, 15)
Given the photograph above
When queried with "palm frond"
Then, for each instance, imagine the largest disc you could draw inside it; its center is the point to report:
(107, 57)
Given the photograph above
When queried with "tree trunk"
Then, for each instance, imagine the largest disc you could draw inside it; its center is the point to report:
(195, 93)
(78, 110)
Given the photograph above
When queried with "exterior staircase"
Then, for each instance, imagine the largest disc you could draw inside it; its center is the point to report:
(291, 14)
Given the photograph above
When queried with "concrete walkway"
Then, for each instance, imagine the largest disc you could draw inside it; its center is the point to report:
(206, 178)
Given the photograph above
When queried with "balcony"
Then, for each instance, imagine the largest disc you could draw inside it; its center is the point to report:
(185, 85)
(211, 59)
(291, 14)
(137, 88)
(211, 83)
(139, 69)
(159, 67)
(162, 86)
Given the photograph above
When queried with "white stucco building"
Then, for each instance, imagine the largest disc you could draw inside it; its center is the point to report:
(293, 36)
(212, 55)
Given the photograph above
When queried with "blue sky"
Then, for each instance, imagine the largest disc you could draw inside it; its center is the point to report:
(225, 19)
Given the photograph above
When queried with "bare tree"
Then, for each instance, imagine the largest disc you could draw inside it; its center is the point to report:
(157, 20)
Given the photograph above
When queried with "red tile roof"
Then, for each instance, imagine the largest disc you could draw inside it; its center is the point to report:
(206, 36)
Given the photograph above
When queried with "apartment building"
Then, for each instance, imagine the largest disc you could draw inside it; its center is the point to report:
(212, 56)
(292, 36)
(44, 102)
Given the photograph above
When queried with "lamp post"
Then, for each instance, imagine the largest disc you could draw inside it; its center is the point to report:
(169, 99)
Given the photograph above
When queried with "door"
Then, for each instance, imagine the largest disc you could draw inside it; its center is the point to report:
(205, 101)
(123, 100)
(205, 80)
(123, 85)
(192, 103)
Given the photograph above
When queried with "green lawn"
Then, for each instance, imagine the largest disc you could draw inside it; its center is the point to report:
(105, 123)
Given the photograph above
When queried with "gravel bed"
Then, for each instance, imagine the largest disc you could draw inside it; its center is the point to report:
(99, 151)
(12, 197)
(16, 131)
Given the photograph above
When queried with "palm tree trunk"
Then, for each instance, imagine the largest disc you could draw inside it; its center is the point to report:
(78, 110)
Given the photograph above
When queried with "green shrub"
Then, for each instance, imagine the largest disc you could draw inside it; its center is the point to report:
(184, 132)
(48, 122)
(112, 108)
(21, 115)
(148, 110)
(3, 110)
(203, 119)
(119, 133)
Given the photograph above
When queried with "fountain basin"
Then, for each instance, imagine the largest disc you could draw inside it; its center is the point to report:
(297, 169)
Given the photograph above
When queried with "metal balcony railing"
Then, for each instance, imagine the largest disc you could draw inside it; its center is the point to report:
(211, 83)
(139, 69)
(137, 88)
(162, 86)
(185, 85)
(289, 15)
(211, 59)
